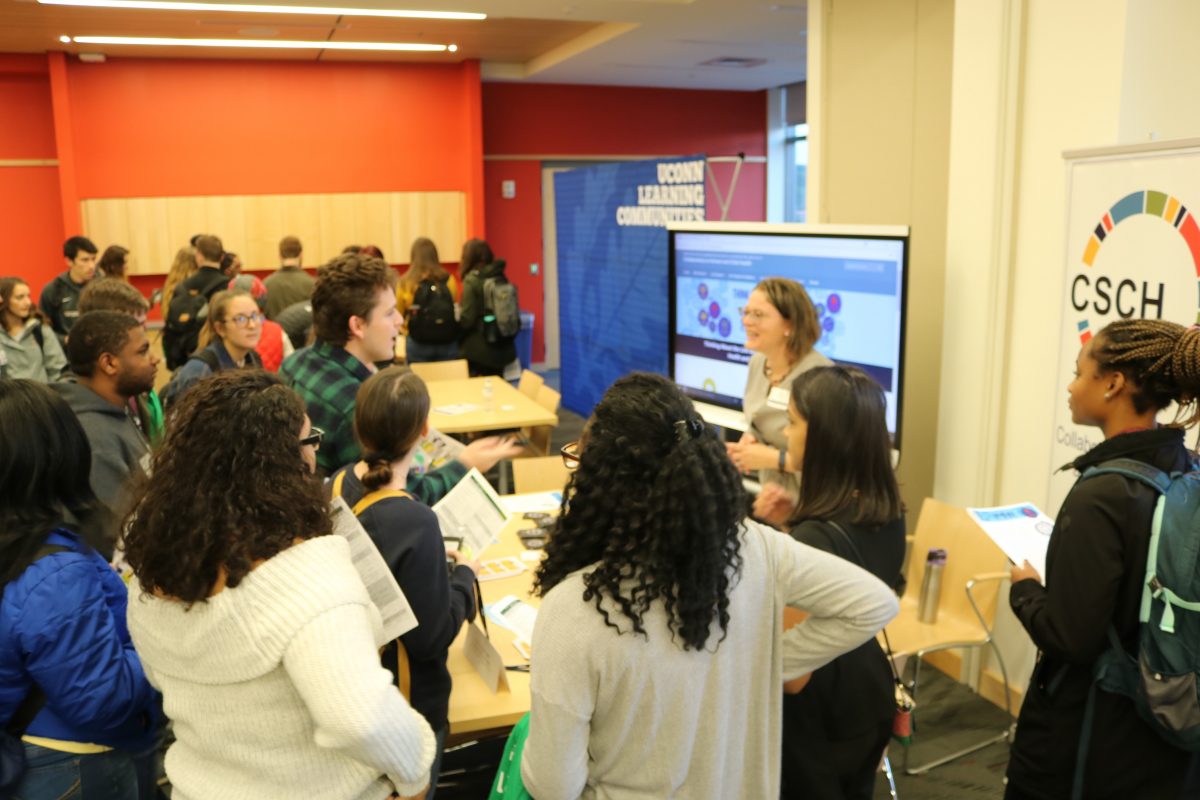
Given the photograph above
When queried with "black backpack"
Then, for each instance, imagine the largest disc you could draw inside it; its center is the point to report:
(431, 316)
(186, 316)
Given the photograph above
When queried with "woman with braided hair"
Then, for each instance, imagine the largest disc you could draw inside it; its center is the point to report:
(659, 655)
(1095, 567)
(391, 414)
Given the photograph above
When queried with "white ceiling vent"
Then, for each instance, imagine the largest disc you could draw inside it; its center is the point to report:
(735, 62)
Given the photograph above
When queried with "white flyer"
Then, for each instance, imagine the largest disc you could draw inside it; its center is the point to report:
(515, 614)
(471, 511)
(385, 593)
(435, 450)
(538, 502)
(1021, 531)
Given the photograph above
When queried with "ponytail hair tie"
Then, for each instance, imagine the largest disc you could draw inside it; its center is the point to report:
(687, 429)
(373, 456)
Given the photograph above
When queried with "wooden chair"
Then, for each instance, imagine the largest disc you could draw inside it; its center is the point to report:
(441, 370)
(543, 474)
(971, 579)
(529, 384)
(539, 435)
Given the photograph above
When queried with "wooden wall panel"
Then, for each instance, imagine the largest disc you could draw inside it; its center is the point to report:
(153, 228)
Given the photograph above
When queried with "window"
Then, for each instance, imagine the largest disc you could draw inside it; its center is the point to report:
(796, 155)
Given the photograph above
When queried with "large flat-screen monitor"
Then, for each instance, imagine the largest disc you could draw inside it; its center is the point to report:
(856, 277)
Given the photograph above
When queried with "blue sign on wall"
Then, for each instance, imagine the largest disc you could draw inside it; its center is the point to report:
(612, 268)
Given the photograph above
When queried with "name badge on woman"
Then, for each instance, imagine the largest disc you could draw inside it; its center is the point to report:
(778, 398)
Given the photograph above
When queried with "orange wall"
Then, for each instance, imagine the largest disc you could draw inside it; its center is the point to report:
(149, 127)
(31, 225)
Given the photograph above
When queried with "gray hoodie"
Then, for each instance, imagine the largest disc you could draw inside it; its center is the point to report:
(26, 358)
(119, 450)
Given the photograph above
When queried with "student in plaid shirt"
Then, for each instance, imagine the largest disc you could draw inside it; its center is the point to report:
(355, 322)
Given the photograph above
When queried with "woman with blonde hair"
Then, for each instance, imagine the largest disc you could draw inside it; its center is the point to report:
(181, 269)
(425, 297)
(781, 328)
(227, 341)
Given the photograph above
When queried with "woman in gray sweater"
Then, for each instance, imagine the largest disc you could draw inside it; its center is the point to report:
(659, 655)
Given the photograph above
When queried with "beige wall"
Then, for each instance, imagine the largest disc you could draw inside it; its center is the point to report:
(1033, 79)
(879, 121)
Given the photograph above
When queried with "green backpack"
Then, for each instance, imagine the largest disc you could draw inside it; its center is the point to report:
(508, 784)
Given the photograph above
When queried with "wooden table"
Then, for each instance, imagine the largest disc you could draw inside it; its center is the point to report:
(511, 409)
(473, 708)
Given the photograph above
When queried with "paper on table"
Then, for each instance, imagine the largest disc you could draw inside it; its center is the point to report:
(456, 408)
(1021, 531)
(471, 510)
(534, 501)
(385, 593)
(515, 614)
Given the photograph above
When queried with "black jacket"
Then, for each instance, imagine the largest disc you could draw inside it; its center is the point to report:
(60, 303)
(409, 538)
(1095, 567)
(475, 346)
(834, 731)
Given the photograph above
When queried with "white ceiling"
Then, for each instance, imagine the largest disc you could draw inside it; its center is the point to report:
(661, 43)
(666, 42)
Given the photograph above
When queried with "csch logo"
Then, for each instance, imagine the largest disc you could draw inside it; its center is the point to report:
(1128, 298)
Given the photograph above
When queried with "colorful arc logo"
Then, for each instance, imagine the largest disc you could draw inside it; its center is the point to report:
(1157, 204)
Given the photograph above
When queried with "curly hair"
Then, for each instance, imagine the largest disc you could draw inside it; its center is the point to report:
(654, 511)
(347, 287)
(112, 294)
(1162, 359)
(230, 487)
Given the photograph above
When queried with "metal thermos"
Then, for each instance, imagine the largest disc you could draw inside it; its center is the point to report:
(931, 586)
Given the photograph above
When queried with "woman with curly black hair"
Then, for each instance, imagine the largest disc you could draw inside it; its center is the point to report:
(659, 655)
(252, 620)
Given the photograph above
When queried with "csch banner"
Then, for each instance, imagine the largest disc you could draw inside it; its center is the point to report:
(612, 268)
(1133, 251)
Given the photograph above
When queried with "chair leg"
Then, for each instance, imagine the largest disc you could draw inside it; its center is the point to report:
(891, 778)
(1005, 736)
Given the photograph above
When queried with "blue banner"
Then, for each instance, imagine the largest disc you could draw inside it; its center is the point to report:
(612, 268)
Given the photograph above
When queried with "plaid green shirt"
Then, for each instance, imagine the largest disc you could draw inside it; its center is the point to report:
(327, 379)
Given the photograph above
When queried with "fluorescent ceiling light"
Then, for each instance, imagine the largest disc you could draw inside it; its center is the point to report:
(254, 8)
(280, 44)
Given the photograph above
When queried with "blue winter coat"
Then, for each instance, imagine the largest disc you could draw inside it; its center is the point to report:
(62, 624)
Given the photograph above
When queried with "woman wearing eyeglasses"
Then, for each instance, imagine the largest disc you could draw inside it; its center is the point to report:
(659, 655)
(253, 621)
(227, 341)
(781, 328)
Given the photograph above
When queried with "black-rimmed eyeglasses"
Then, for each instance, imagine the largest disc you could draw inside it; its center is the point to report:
(314, 437)
(570, 454)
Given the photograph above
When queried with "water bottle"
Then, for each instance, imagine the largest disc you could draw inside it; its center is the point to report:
(931, 586)
(489, 396)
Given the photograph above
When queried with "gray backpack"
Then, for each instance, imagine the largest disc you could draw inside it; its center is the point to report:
(500, 302)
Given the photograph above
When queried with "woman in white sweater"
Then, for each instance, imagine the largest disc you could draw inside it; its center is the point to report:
(659, 656)
(250, 617)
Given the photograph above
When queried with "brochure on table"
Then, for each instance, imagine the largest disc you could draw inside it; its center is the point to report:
(1021, 531)
(472, 511)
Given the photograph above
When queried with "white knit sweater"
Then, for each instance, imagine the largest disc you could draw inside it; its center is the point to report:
(275, 686)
